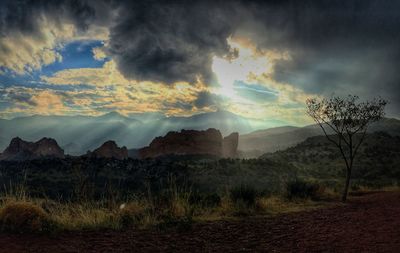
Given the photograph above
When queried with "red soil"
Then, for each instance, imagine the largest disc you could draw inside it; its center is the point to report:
(369, 223)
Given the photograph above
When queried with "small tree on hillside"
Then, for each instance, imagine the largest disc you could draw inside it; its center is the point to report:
(347, 120)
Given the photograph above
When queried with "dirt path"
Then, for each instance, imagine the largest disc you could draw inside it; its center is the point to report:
(369, 223)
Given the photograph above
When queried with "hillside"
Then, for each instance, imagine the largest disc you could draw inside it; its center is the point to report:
(257, 143)
(378, 159)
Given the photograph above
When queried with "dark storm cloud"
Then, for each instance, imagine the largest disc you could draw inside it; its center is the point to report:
(207, 99)
(335, 46)
(24, 15)
(171, 41)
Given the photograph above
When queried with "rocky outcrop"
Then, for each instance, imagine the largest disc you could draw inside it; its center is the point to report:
(23, 150)
(110, 149)
(190, 142)
(230, 145)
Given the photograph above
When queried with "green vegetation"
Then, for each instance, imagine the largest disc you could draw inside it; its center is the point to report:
(175, 192)
(377, 165)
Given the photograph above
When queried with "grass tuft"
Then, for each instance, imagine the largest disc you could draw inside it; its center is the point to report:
(24, 217)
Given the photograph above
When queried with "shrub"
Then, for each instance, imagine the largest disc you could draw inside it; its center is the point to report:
(24, 217)
(131, 214)
(205, 200)
(243, 194)
(302, 189)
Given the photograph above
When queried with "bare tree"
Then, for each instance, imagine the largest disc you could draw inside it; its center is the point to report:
(348, 121)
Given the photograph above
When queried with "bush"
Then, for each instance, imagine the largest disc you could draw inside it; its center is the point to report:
(209, 200)
(243, 194)
(24, 217)
(302, 189)
(131, 214)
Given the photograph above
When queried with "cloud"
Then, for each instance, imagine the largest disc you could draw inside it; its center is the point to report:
(99, 54)
(171, 41)
(109, 90)
(300, 49)
(10, 95)
(255, 92)
(108, 75)
(206, 99)
(336, 47)
(27, 101)
(32, 33)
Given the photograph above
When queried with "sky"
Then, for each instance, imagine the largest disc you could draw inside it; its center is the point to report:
(257, 59)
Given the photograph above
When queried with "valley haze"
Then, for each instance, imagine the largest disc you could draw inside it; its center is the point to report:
(79, 134)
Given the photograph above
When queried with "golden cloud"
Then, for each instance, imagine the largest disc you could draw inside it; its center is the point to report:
(99, 77)
(22, 53)
(112, 91)
(99, 53)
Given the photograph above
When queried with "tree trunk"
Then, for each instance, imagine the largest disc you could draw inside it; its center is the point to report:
(346, 187)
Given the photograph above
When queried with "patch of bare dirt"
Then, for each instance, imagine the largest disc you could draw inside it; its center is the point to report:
(369, 223)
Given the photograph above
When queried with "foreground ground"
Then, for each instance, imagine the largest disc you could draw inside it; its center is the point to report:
(367, 223)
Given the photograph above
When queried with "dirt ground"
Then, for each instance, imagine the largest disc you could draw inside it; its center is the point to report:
(368, 223)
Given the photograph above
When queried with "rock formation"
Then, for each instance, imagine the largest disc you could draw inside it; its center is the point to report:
(109, 149)
(24, 150)
(230, 145)
(192, 142)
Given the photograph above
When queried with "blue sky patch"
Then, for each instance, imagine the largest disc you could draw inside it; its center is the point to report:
(74, 55)
(255, 92)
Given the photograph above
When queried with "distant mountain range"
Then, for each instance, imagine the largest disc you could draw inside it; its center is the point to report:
(78, 134)
(259, 142)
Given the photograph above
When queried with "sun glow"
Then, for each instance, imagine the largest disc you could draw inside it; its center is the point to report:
(249, 62)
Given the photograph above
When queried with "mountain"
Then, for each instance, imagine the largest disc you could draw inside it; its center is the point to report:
(72, 132)
(378, 158)
(20, 150)
(192, 142)
(78, 134)
(110, 149)
(259, 142)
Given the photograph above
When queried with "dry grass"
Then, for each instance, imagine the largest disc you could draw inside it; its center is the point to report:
(24, 217)
(278, 205)
(138, 214)
(73, 216)
(171, 207)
